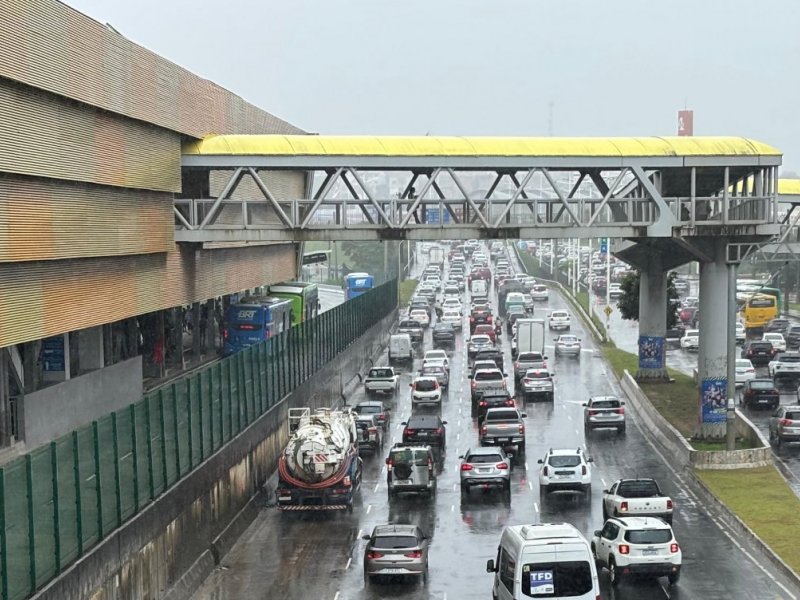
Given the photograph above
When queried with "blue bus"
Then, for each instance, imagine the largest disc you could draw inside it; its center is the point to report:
(253, 320)
(356, 284)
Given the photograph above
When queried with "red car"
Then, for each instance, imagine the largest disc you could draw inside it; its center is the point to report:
(486, 329)
(481, 273)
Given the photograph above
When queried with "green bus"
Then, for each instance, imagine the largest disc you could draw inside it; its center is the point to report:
(303, 296)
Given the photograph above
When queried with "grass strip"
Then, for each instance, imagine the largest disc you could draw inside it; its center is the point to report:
(407, 288)
(775, 517)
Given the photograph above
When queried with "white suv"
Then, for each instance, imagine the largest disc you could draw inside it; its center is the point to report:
(637, 546)
(559, 320)
(691, 339)
(565, 469)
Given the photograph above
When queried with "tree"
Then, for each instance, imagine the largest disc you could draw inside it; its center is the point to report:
(368, 257)
(628, 304)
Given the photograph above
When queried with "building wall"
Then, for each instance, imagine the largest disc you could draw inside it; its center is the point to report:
(53, 411)
(44, 298)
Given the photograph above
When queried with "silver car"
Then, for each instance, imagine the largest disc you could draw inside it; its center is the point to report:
(396, 550)
(438, 371)
(485, 466)
(568, 345)
(410, 468)
(604, 412)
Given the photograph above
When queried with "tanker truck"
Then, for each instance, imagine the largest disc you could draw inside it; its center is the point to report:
(319, 469)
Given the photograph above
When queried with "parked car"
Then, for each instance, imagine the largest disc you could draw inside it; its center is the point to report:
(568, 345)
(760, 393)
(410, 468)
(396, 550)
(485, 467)
(382, 380)
(628, 546)
(604, 412)
(376, 408)
(690, 339)
(426, 392)
(745, 371)
(427, 429)
(784, 425)
(565, 469)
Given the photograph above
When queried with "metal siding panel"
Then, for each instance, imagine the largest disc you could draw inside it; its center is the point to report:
(41, 299)
(45, 136)
(51, 46)
(48, 220)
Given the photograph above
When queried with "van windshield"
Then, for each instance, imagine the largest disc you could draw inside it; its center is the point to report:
(556, 580)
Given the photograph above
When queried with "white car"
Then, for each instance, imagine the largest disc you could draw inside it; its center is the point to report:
(691, 339)
(421, 316)
(629, 546)
(568, 345)
(453, 317)
(785, 365)
(436, 356)
(745, 371)
(451, 303)
(426, 391)
(777, 340)
(559, 319)
(565, 469)
(540, 293)
(741, 333)
(615, 291)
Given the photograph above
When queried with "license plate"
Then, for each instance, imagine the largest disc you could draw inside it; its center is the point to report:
(563, 476)
(483, 470)
(649, 552)
(502, 439)
(763, 401)
(403, 482)
(393, 571)
(423, 434)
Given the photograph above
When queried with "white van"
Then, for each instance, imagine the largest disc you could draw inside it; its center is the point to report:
(400, 348)
(478, 288)
(544, 560)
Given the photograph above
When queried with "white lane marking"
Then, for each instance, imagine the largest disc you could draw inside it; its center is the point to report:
(376, 487)
(455, 485)
(458, 435)
(452, 508)
(577, 431)
(349, 562)
(359, 534)
(383, 469)
(530, 484)
(666, 593)
(336, 597)
(603, 481)
(526, 465)
(369, 508)
(536, 506)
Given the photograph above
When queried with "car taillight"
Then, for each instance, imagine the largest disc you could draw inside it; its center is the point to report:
(592, 413)
(583, 470)
(474, 385)
(472, 319)
(669, 504)
(389, 463)
(483, 403)
(624, 549)
(436, 385)
(749, 353)
(408, 431)
(673, 547)
(620, 411)
(623, 506)
(466, 467)
(750, 371)
(785, 422)
(347, 481)
(501, 465)
(439, 431)
(509, 402)
(414, 554)
(372, 555)
(489, 319)
(225, 334)
(521, 428)
(484, 429)
(372, 429)
(516, 365)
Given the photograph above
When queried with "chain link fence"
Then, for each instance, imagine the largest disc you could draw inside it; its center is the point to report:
(60, 500)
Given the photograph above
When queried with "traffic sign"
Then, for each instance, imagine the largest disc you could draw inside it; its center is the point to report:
(608, 310)
(603, 245)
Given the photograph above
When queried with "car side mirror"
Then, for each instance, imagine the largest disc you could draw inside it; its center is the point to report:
(410, 385)
(404, 423)
(597, 533)
(589, 460)
(585, 404)
(545, 357)
(387, 409)
(366, 537)
(490, 566)
(555, 339)
(444, 422)
(524, 415)
(605, 492)
(469, 376)
(540, 461)
(622, 404)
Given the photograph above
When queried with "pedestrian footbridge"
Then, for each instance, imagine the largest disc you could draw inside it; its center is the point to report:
(431, 188)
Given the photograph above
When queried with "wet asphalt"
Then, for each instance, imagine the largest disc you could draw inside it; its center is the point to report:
(305, 556)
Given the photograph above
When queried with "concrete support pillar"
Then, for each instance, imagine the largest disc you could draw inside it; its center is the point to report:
(652, 321)
(90, 349)
(712, 367)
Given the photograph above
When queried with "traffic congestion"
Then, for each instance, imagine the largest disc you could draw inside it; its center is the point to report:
(481, 448)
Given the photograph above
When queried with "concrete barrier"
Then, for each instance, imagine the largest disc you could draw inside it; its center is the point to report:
(167, 550)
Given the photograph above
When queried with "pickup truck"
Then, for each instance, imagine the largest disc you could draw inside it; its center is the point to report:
(412, 328)
(636, 498)
(503, 427)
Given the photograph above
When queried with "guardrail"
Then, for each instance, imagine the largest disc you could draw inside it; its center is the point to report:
(59, 501)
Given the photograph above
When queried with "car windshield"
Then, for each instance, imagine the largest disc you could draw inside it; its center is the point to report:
(787, 358)
(638, 489)
(488, 375)
(391, 542)
(407, 455)
(481, 340)
(569, 338)
(537, 374)
(502, 415)
(563, 579)
(529, 357)
(381, 373)
(483, 459)
(609, 403)
(559, 315)
(368, 409)
(793, 415)
(425, 385)
(408, 324)
(432, 371)
(762, 385)
(744, 364)
(648, 536)
(565, 460)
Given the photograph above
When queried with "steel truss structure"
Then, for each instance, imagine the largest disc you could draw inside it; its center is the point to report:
(581, 196)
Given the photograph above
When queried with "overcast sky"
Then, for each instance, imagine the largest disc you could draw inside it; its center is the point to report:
(491, 67)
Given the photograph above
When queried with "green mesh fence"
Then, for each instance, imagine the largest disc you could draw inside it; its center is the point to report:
(60, 500)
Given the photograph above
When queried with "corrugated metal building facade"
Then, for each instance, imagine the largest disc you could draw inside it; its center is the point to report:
(90, 135)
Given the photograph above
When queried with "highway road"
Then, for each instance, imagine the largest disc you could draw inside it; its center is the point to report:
(330, 296)
(302, 556)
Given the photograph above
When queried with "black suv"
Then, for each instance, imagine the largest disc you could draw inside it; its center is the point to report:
(444, 335)
(490, 354)
(428, 429)
(513, 314)
(759, 352)
(479, 317)
(493, 398)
